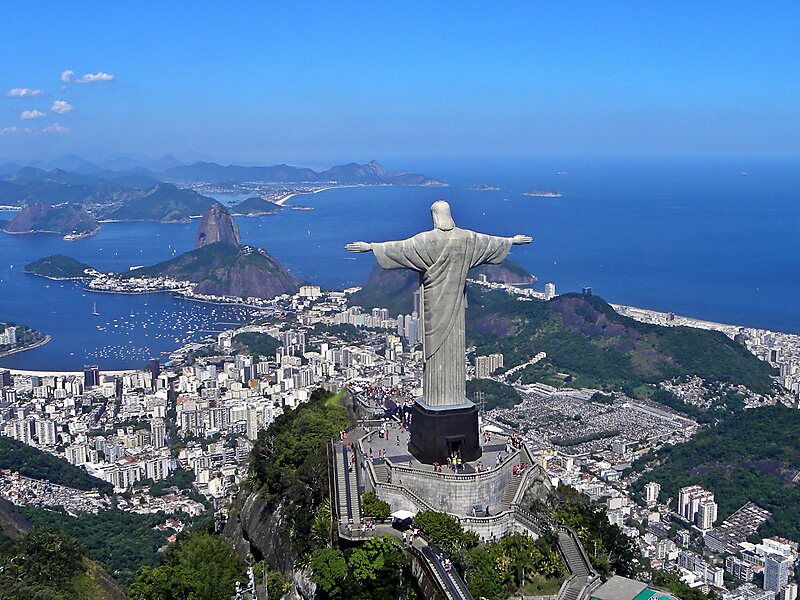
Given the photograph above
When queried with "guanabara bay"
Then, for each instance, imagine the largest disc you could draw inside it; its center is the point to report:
(330, 301)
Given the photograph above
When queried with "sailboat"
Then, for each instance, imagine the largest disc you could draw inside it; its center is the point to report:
(94, 309)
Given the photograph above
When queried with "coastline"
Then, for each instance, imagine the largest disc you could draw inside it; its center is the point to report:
(283, 199)
(54, 278)
(38, 344)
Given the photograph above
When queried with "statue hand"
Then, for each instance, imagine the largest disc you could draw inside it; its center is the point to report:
(359, 247)
(521, 239)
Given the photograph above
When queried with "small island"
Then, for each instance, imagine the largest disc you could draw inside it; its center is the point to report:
(254, 206)
(18, 338)
(483, 187)
(543, 194)
(59, 266)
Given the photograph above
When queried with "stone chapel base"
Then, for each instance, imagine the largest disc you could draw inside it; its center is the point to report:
(438, 432)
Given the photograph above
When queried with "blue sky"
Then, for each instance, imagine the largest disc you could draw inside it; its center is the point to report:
(323, 82)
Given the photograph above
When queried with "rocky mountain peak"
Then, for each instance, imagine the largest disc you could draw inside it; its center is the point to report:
(217, 225)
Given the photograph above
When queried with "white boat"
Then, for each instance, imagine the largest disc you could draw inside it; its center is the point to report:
(94, 309)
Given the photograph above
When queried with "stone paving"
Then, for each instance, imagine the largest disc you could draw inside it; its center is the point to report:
(394, 446)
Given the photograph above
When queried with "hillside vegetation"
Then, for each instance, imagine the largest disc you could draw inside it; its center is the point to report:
(163, 202)
(753, 456)
(225, 269)
(288, 462)
(121, 541)
(49, 564)
(65, 218)
(58, 266)
(36, 464)
(495, 393)
(588, 344)
(257, 344)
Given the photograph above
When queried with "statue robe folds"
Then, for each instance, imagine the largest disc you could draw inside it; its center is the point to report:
(442, 259)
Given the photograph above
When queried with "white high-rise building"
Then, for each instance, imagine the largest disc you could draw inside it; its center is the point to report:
(46, 432)
(19, 429)
(486, 365)
(689, 500)
(77, 454)
(309, 291)
(776, 572)
(788, 592)
(651, 492)
(158, 433)
(157, 468)
(706, 515)
(549, 291)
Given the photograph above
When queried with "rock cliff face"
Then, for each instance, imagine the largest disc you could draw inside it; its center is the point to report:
(217, 225)
(257, 528)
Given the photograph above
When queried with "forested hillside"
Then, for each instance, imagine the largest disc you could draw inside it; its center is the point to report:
(588, 344)
(752, 456)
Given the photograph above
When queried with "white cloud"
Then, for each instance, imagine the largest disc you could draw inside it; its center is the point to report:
(61, 107)
(95, 77)
(28, 115)
(15, 130)
(56, 128)
(24, 93)
(66, 76)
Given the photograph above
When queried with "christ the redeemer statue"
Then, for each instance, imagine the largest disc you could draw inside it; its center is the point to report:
(442, 257)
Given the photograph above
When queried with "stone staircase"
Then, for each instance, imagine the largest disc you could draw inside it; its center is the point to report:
(511, 490)
(381, 472)
(577, 564)
(348, 499)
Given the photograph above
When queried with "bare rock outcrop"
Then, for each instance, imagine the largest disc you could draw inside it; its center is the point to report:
(217, 225)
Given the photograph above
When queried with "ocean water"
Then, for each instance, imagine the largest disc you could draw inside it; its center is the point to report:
(697, 238)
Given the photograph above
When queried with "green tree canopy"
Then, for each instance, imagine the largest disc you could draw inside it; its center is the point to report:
(201, 567)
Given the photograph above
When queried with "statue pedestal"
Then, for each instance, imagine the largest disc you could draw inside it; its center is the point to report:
(436, 432)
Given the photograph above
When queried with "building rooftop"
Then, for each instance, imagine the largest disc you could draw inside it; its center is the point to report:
(622, 588)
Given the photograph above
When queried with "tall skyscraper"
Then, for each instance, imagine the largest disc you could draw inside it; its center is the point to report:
(155, 372)
(549, 291)
(5, 377)
(158, 433)
(91, 376)
(776, 572)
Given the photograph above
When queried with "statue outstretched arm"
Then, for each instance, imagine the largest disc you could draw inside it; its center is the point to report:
(520, 239)
(359, 247)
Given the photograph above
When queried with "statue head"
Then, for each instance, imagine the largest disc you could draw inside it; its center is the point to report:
(442, 218)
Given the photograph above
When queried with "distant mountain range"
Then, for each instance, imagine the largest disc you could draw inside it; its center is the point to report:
(124, 190)
(22, 184)
(349, 174)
